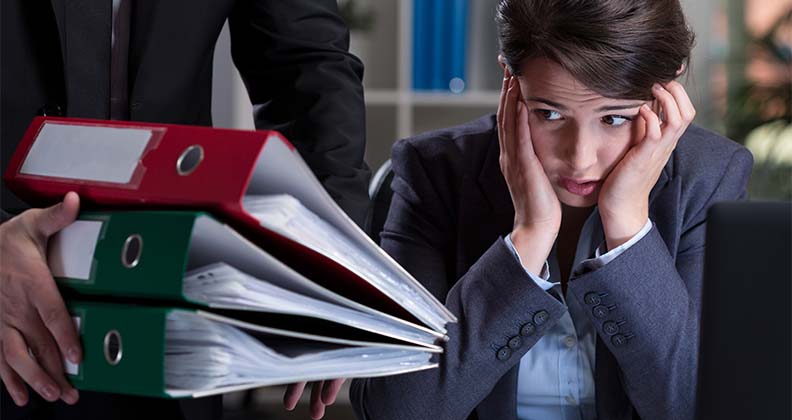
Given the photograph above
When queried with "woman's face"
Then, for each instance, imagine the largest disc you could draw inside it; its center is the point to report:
(578, 135)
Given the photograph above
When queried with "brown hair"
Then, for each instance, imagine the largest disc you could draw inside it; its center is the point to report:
(617, 48)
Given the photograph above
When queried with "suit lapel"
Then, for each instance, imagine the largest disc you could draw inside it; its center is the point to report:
(59, 9)
(487, 212)
(84, 28)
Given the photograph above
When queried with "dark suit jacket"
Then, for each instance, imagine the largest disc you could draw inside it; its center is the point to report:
(291, 54)
(450, 211)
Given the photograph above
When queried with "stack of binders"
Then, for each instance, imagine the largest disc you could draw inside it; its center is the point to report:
(212, 260)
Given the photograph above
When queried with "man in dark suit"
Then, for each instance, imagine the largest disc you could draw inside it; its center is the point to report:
(151, 60)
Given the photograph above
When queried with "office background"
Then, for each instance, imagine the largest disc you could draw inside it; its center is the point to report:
(740, 82)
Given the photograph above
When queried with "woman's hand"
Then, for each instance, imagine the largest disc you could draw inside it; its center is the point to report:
(323, 393)
(36, 330)
(537, 211)
(624, 198)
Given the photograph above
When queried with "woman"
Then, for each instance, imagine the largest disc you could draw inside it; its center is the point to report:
(566, 232)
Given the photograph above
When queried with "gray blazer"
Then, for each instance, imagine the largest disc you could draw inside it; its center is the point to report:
(450, 210)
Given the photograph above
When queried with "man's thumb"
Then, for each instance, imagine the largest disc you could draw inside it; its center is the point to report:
(52, 219)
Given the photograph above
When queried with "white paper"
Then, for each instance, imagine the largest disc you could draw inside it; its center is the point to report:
(71, 251)
(106, 154)
(204, 353)
(280, 170)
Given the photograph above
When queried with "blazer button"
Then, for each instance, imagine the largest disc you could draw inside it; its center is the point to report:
(620, 340)
(528, 329)
(602, 311)
(540, 317)
(515, 342)
(503, 353)
(592, 298)
(610, 327)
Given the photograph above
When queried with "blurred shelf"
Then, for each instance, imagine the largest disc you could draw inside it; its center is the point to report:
(411, 98)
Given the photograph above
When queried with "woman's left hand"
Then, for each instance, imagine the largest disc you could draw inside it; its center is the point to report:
(624, 198)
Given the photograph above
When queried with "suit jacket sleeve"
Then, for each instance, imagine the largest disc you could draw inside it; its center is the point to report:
(493, 301)
(657, 294)
(293, 57)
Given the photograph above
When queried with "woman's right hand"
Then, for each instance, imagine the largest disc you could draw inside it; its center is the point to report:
(32, 312)
(537, 211)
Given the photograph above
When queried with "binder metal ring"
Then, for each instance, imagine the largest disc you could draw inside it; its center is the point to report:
(189, 160)
(133, 249)
(113, 350)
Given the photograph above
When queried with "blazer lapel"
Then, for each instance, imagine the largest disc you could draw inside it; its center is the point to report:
(84, 27)
(59, 9)
(487, 212)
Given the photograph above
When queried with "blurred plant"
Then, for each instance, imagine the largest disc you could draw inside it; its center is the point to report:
(356, 16)
(771, 145)
(760, 113)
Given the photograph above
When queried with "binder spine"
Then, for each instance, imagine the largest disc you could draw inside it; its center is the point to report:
(123, 348)
(422, 11)
(458, 45)
(138, 254)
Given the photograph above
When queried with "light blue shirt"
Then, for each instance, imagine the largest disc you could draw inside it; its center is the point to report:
(556, 380)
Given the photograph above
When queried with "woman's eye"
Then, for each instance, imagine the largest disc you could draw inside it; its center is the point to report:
(548, 114)
(615, 120)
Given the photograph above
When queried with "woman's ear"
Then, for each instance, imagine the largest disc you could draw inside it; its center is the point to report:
(680, 70)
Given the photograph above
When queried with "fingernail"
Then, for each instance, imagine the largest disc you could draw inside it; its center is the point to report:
(19, 398)
(71, 396)
(49, 392)
(656, 86)
(74, 355)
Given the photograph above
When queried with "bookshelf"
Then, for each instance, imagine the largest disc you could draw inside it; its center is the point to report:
(393, 109)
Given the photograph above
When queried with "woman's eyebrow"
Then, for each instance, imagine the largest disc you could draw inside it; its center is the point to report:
(617, 107)
(548, 102)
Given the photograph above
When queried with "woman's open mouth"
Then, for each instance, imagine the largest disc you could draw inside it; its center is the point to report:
(579, 187)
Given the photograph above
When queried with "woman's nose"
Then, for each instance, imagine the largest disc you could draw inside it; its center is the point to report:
(581, 153)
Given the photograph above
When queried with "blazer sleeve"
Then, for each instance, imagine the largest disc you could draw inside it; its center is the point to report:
(302, 81)
(653, 296)
(502, 313)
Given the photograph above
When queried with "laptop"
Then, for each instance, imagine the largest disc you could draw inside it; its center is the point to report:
(745, 359)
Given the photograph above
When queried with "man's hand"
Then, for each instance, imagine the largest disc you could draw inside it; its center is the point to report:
(36, 330)
(323, 393)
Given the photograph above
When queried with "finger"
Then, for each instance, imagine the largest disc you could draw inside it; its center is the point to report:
(509, 116)
(686, 108)
(501, 104)
(292, 395)
(653, 132)
(673, 120)
(330, 391)
(16, 354)
(49, 304)
(14, 384)
(48, 221)
(317, 407)
(524, 132)
(46, 353)
(639, 128)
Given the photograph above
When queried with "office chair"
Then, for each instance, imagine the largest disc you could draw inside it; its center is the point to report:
(380, 194)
